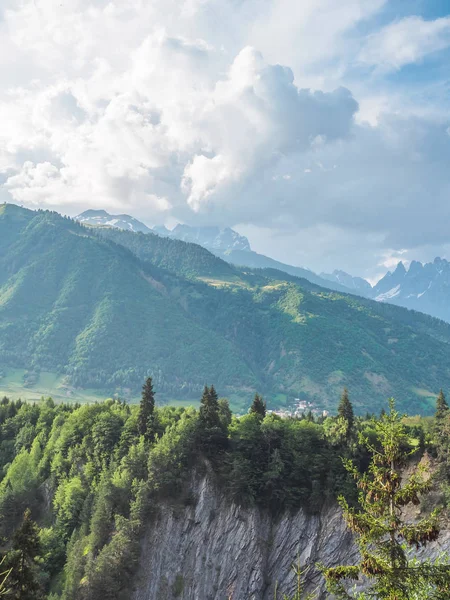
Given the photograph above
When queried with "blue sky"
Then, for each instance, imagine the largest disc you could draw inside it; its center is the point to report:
(319, 129)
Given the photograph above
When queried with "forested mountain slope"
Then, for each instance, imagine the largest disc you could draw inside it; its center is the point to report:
(75, 303)
(183, 258)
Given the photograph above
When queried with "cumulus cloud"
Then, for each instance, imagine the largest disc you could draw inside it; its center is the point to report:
(200, 111)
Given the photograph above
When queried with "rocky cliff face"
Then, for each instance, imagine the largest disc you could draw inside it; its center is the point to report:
(211, 549)
(214, 550)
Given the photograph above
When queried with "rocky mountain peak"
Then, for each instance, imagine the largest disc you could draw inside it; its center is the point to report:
(101, 218)
(212, 238)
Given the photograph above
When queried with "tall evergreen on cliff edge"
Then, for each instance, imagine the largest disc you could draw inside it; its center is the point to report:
(146, 426)
(345, 409)
(211, 431)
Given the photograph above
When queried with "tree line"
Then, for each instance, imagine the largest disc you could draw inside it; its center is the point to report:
(79, 482)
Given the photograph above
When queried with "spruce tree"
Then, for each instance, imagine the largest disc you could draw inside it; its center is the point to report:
(345, 409)
(209, 408)
(258, 406)
(212, 434)
(441, 406)
(146, 410)
(23, 581)
(382, 534)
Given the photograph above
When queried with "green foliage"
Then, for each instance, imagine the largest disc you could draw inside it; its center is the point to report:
(212, 436)
(93, 482)
(4, 576)
(280, 463)
(225, 413)
(69, 500)
(441, 406)
(345, 411)
(382, 533)
(145, 423)
(298, 594)
(23, 580)
(258, 406)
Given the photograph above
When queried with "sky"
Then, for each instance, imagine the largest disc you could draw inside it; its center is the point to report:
(319, 129)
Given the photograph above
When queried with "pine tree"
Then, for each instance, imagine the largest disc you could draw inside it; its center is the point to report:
(23, 581)
(209, 408)
(382, 534)
(345, 409)
(212, 434)
(258, 406)
(441, 406)
(147, 410)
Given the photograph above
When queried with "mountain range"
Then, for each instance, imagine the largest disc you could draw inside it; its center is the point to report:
(422, 287)
(223, 242)
(102, 308)
(101, 218)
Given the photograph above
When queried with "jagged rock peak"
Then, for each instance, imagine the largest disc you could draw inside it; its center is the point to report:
(400, 269)
(212, 238)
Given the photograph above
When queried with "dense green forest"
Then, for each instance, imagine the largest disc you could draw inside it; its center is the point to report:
(103, 315)
(79, 482)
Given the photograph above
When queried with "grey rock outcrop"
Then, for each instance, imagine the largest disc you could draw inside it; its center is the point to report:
(216, 550)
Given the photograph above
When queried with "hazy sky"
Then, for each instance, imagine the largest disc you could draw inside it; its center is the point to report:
(320, 129)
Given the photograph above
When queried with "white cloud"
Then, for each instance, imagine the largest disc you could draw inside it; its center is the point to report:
(193, 110)
(405, 41)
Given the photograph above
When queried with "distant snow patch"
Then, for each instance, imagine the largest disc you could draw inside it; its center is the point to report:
(395, 291)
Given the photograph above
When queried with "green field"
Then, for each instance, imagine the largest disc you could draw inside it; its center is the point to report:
(52, 385)
(48, 384)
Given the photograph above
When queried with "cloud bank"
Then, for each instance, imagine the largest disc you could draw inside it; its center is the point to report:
(236, 113)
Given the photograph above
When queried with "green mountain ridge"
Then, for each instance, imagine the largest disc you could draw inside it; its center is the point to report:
(105, 308)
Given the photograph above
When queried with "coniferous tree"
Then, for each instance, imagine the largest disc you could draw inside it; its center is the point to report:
(211, 431)
(225, 413)
(209, 408)
(441, 406)
(382, 533)
(23, 582)
(258, 406)
(345, 409)
(147, 410)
